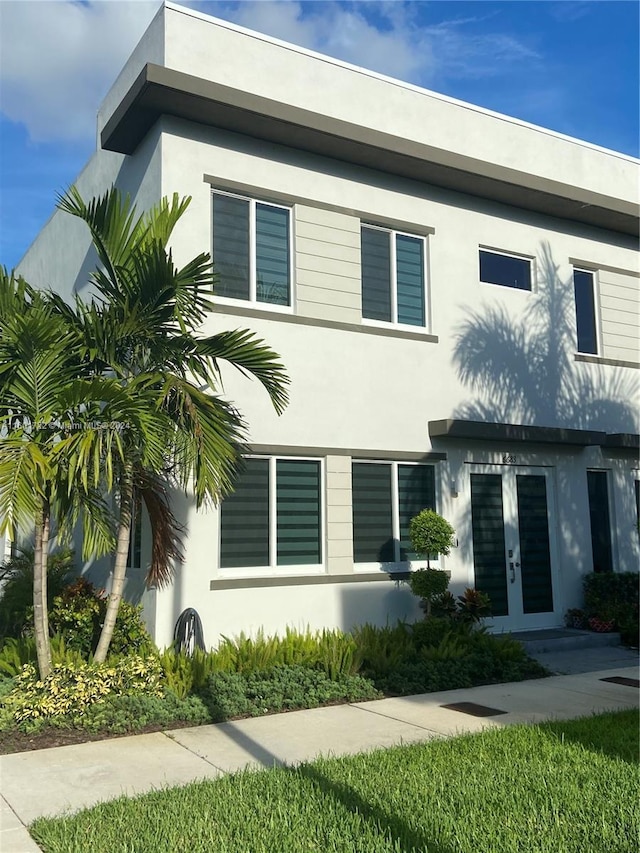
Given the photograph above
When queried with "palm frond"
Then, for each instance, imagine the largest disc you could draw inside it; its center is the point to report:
(166, 532)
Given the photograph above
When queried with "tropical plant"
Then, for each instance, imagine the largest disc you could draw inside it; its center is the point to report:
(44, 394)
(16, 576)
(429, 585)
(430, 534)
(141, 329)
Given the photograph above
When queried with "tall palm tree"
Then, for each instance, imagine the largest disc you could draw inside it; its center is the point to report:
(141, 329)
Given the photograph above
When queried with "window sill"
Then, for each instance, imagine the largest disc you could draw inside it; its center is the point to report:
(599, 359)
(270, 312)
(305, 580)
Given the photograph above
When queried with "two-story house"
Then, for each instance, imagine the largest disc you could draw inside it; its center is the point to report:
(455, 295)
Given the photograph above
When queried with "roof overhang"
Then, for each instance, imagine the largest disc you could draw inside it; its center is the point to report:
(622, 441)
(481, 431)
(160, 91)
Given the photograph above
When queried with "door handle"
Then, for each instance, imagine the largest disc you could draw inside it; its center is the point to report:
(512, 569)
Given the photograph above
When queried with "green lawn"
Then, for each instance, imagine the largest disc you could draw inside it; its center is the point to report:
(558, 787)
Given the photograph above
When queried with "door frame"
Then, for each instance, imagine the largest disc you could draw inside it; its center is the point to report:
(517, 620)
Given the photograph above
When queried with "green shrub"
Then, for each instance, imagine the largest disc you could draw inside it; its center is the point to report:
(15, 653)
(338, 654)
(383, 649)
(16, 599)
(429, 585)
(78, 614)
(184, 673)
(430, 534)
(283, 688)
(429, 633)
(129, 713)
(452, 646)
(613, 596)
(71, 688)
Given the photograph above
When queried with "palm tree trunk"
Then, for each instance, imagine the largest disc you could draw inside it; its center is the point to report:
(40, 608)
(120, 564)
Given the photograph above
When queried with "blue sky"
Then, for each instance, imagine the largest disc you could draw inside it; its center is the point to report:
(565, 64)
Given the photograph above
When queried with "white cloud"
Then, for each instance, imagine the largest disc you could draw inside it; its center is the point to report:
(60, 58)
(383, 36)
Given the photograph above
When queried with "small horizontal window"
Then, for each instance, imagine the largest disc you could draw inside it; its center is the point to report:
(506, 270)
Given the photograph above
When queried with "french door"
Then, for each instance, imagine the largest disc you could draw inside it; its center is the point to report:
(513, 530)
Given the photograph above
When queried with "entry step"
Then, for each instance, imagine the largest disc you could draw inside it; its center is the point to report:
(564, 639)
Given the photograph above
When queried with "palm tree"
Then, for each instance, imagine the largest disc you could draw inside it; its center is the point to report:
(40, 395)
(141, 329)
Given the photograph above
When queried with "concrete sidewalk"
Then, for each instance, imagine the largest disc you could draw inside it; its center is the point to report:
(68, 778)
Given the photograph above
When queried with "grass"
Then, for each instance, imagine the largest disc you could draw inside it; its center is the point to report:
(554, 788)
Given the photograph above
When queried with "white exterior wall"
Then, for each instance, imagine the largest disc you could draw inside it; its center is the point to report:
(353, 387)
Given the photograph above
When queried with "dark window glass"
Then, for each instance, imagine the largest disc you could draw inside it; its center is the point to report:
(373, 534)
(298, 512)
(637, 486)
(135, 541)
(410, 279)
(372, 513)
(272, 254)
(231, 246)
(376, 274)
(487, 530)
(600, 522)
(244, 519)
(585, 311)
(505, 270)
(416, 491)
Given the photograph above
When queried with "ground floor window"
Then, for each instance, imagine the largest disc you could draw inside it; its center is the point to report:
(598, 488)
(386, 496)
(274, 516)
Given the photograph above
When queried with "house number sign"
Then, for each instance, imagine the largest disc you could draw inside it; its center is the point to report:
(508, 459)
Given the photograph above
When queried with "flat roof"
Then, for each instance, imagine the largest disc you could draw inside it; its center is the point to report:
(159, 91)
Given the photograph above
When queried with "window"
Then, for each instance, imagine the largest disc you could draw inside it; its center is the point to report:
(393, 276)
(507, 270)
(600, 521)
(583, 288)
(273, 518)
(135, 540)
(386, 496)
(251, 250)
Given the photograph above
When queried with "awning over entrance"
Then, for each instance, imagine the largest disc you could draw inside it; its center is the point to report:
(623, 441)
(481, 431)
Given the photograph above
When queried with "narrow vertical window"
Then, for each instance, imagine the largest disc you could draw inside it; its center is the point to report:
(245, 519)
(231, 246)
(135, 540)
(597, 484)
(583, 287)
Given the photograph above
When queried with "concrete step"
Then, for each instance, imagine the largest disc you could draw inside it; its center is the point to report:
(564, 639)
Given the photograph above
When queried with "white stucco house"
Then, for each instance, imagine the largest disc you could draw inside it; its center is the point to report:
(455, 295)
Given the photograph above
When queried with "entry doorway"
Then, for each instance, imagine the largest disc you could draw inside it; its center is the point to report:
(514, 544)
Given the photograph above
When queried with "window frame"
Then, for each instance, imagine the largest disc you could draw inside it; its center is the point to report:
(252, 300)
(596, 313)
(398, 565)
(393, 281)
(273, 569)
(530, 259)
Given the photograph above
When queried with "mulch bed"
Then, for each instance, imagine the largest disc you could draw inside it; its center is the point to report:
(11, 742)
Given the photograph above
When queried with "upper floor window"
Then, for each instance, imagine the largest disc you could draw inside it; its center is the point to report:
(507, 270)
(251, 249)
(584, 290)
(273, 518)
(393, 276)
(386, 496)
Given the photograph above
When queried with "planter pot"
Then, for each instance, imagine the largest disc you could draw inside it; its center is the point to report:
(601, 626)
